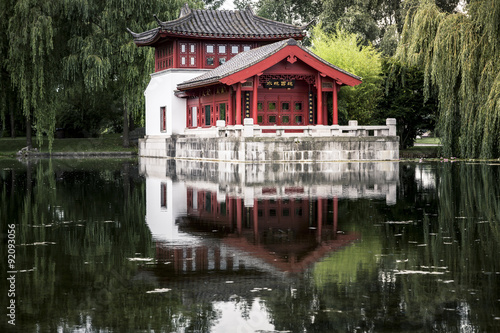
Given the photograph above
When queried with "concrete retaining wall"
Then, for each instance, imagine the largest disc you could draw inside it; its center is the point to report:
(276, 149)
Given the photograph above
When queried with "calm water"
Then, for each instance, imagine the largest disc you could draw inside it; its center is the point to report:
(164, 246)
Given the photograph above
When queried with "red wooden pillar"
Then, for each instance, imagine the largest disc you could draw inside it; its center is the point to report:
(230, 209)
(256, 220)
(238, 104)
(254, 98)
(215, 111)
(319, 94)
(325, 110)
(335, 107)
(335, 215)
(320, 219)
(217, 258)
(229, 107)
(175, 57)
(189, 263)
(199, 115)
(238, 213)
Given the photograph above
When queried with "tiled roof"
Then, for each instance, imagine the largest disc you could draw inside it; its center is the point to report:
(220, 24)
(247, 59)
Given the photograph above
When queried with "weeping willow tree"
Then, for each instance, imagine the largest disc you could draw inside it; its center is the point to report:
(31, 62)
(54, 48)
(102, 54)
(460, 56)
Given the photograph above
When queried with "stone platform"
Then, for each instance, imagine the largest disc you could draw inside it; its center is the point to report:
(251, 143)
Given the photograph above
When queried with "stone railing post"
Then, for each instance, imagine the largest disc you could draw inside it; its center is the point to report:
(248, 127)
(221, 127)
(391, 123)
(353, 131)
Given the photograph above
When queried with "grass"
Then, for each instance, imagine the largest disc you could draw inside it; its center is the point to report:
(105, 143)
(435, 141)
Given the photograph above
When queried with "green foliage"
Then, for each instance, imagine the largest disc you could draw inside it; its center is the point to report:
(389, 42)
(460, 56)
(213, 4)
(87, 115)
(377, 21)
(404, 100)
(31, 62)
(343, 50)
(63, 56)
(289, 11)
(367, 18)
(242, 4)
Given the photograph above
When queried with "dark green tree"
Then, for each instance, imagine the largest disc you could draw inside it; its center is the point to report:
(377, 21)
(404, 100)
(297, 12)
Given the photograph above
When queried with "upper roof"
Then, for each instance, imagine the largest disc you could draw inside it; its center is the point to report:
(244, 60)
(219, 24)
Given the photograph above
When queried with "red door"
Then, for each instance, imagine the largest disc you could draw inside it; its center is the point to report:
(287, 109)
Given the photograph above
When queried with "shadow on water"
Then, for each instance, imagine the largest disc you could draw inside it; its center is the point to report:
(178, 246)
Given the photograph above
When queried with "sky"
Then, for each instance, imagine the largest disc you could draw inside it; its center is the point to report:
(228, 4)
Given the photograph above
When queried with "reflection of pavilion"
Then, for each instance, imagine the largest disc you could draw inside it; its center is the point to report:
(289, 233)
(282, 223)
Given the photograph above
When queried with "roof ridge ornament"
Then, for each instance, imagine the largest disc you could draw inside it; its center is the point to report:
(157, 20)
(249, 9)
(185, 10)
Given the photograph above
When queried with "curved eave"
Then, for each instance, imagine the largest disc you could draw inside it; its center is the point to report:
(298, 36)
(185, 88)
(146, 38)
(150, 40)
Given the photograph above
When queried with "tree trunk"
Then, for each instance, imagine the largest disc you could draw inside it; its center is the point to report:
(126, 141)
(29, 141)
(12, 122)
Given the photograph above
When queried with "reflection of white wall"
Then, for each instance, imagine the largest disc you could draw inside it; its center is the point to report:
(161, 219)
(354, 180)
(425, 176)
(241, 319)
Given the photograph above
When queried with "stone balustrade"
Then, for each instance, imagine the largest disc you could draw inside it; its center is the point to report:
(249, 129)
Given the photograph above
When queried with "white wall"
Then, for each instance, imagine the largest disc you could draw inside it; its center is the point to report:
(160, 92)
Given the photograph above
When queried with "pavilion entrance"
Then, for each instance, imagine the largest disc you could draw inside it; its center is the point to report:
(282, 108)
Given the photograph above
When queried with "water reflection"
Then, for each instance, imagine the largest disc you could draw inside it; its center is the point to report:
(164, 246)
(249, 233)
(282, 218)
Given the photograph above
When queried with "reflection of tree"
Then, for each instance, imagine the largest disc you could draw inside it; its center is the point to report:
(454, 239)
(469, 241)
(94, 212)
(452, 233)
(78, 222)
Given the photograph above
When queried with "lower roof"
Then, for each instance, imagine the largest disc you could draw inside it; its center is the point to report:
(277, 51)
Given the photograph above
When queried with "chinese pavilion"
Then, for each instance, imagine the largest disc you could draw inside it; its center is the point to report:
(223, 69)
(231, 65)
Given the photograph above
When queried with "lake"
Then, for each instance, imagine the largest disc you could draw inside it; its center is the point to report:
(156, 245)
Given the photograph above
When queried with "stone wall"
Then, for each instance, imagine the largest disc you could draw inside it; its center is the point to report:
(277, 149)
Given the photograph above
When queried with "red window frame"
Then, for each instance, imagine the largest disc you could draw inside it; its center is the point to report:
(163, 118)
